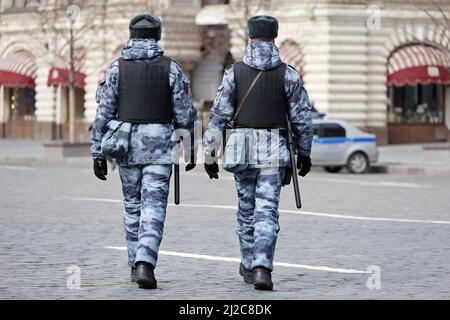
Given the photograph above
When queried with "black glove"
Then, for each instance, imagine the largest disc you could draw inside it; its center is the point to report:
(212, 170)
(304, 165)
(101, 169)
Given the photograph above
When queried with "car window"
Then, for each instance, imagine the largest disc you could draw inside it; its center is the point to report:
(331, 130)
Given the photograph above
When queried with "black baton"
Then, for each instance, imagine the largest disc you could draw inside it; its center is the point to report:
(177, 184)
(292, 148)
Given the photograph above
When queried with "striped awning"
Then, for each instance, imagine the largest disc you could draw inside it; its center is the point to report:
(418, 64)
(18, 70)
(59, 72)
(59, 76)
(291, 53)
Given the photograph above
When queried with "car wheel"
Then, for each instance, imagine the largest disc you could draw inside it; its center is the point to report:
(358, 163)
(333, 169)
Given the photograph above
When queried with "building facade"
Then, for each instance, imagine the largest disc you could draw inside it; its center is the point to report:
(381, 65)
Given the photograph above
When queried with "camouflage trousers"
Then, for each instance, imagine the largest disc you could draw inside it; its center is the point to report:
(145, 189)
(259, 197)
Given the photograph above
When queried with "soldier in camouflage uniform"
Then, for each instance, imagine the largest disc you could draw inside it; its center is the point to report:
(259, 183)
(146, 166)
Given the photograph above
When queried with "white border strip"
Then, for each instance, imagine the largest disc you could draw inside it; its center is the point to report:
(227, 259)
(302, 213)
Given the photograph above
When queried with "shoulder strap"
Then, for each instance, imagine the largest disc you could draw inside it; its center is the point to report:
(241, 103)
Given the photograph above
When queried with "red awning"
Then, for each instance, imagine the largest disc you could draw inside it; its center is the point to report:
(420, 75)
(60, 76)
(18, 70)
(418, 64)
(59, 72)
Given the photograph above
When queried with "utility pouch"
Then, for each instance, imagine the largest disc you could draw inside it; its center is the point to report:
(115, 141)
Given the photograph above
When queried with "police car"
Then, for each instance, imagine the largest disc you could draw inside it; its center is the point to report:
(337, 145)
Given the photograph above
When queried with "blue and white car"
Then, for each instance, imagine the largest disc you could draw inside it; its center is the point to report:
(338, 144)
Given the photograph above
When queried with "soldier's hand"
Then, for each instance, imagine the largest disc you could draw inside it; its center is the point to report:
(212, 170)
(101, 169)
(304, 164)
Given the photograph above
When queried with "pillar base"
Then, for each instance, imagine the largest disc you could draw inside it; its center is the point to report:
(417, 133)
(3, 131)
(44, 131)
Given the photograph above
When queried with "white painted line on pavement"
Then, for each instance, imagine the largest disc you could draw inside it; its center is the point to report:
(372, 183)
(204, 175)
(389, 184)
(319, 214)
(97, 200)
(227, 259)
(298, 212)
(16, 168)
(340, 216)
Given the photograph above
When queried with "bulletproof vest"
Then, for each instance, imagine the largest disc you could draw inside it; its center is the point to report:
(267, 104)
(144, 91)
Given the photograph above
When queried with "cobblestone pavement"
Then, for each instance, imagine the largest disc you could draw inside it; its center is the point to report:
(52, 218)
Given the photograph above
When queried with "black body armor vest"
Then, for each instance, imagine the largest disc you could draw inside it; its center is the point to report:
(267, 104)
(144, 91)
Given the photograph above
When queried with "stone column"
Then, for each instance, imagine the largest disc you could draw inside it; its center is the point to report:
(447, 109)
(93, 67)
(316, 57)
(96, 63)
(61, 104)
(348, 69)
(45, 104)
(310, 30)
(182, 39)
(4, 110)
(377, 85)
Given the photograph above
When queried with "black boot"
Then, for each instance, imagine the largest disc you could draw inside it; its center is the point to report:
(263, 279)
(145, 276)
(133, 275)
(246, 274)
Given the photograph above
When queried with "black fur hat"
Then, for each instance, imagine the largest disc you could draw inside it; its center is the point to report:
(145, 26)
(263, 27)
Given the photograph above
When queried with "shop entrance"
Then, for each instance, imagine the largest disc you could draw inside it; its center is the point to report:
(22, 113)
(418, 90)
(17, 95)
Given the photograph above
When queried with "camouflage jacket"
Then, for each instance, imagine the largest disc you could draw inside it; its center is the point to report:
(263, 56)
(148, 143)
